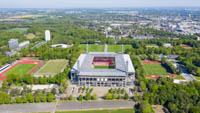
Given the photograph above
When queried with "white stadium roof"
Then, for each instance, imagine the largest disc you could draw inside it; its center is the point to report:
(86, 68)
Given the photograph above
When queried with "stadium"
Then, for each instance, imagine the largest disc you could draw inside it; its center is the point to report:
(103, 69)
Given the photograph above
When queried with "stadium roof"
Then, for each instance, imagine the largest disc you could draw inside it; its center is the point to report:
(86, 68)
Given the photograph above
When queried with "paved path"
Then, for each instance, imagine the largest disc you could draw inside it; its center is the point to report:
(64, 106)
(19, 108)
(186, 75)
(106, 48)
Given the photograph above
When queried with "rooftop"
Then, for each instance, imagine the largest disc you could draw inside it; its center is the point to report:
(86, 68)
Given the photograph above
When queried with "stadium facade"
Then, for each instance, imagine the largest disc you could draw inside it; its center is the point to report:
(103, 69)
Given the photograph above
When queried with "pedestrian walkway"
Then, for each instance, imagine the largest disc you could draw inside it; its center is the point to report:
(106, 48)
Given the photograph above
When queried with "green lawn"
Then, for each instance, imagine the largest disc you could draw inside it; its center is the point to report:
(52, 67)
(93, 47)
(104, 67)
(114, 48)
(21, 30)
(179, 77)
(118, 48)
(102, 111)
(196, 77)
(21, 69)
(152, 46)
(155, 69)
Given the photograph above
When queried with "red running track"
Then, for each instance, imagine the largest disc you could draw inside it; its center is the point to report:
(155, 77)
(21, 62)
(149, 61)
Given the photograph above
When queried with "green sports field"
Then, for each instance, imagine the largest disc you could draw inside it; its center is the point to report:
(93, 47)
(155, 69)
(102, 111)
(104, 67)
(118, 48)
(152, 46)
(21, 69)
(52, 67)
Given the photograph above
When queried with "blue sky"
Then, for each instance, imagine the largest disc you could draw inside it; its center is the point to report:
(94, 3)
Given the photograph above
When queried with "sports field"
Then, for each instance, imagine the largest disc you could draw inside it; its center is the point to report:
(152, 46)
(117, 48)
(52, 67)
(93, 47)
(104, 67)
(102, 111)
(21, 69)
(155, 69)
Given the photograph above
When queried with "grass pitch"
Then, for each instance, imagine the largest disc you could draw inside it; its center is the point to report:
(152, 46)
(21, 69)
(52, 67)
(93, 47)
(102, 111)
(104, 67)
(118, 48)
(155, 69)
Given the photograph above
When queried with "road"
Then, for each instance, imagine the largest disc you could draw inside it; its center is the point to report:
(186, 75)
(64, 106)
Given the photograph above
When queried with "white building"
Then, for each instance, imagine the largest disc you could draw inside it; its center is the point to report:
(47, 35)
(167, 45)
(61, 45)
(24, 44)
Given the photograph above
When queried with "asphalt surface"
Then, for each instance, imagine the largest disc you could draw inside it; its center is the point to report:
(19, 108)
(64, 106)
(186, 75)
(106, 48)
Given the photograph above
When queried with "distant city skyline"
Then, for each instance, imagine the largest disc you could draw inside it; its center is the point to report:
(96, 3)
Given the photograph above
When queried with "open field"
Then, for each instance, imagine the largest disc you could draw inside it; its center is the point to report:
(179, 77)
(152, 46)
(117, 48)
(30, 36)
(93, 47)
(155, 69)
(196, 77)
(21, 69)
(114, 48)
(52, 67)
(21, 30)
(102, 111)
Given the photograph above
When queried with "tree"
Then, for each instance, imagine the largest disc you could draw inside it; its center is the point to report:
(43, 98)
(61, 90)
(19, 100)
(50, 97)
(70, 97)
(143, 85)
(123, 91)
(37, 99)
(95, 96)
(80, 98)
(29, 97)
(126, 97)
(54, 91)
(88, 96)
(108, 96)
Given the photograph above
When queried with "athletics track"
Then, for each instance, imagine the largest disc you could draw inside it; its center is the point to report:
(154, 76)
(22, 61)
